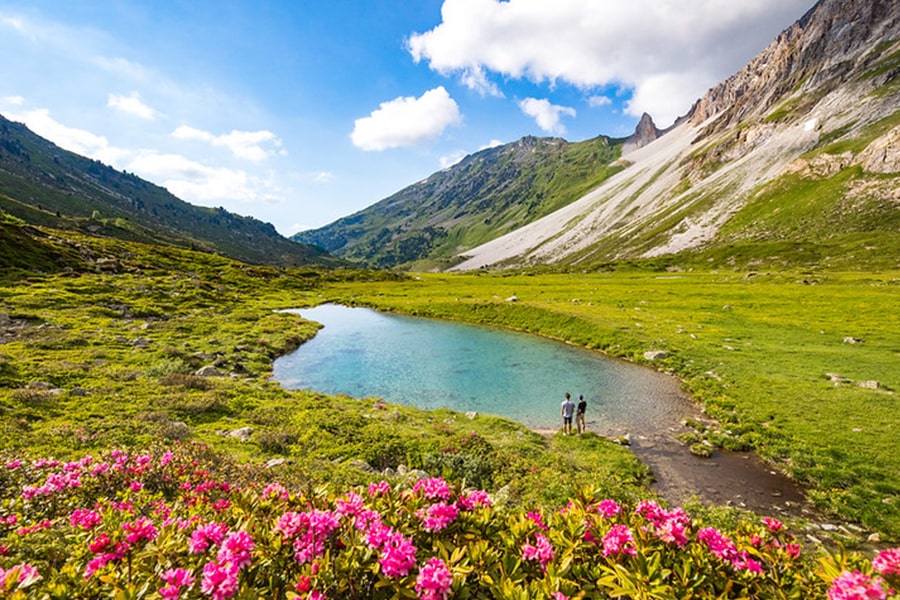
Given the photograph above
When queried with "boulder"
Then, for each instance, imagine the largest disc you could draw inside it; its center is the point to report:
(242, 433)
(853, 340)
(869, 385)
(208, 371)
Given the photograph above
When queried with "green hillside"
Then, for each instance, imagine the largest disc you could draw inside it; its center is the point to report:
(488, 194)
(45, 185)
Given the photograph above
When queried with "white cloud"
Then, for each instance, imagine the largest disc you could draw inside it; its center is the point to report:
(597, 101)
(323, 177)
(668, 51)
(132, 105)
(14, 100)
(452, 159)
(491, 144)
(193, 181)
(546, 115)
(247, 145)
(73, 139)
(406, 121)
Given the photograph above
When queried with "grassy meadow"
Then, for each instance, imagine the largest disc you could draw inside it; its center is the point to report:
(107, 357)
(757, 350)
(105, 354)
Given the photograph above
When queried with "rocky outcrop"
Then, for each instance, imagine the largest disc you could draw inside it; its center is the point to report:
(831, 44)
(644, 133)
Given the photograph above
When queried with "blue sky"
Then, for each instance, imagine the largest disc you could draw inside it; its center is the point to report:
(299, 112)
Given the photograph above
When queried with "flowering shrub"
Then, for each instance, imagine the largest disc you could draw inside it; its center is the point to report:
(183, 523)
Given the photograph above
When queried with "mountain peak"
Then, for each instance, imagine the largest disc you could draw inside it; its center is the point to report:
(645, 132)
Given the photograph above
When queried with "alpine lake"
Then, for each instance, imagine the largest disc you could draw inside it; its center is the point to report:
(475, 370)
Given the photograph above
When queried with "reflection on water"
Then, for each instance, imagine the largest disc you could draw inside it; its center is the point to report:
(430, 364)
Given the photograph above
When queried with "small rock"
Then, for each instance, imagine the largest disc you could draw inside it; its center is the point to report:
(275, 462)
(869, 385)
(242, 433)
(874, 538)
(853, 340)
(512, 298)
(471, 414)
(208, 371)
(141, 342)
(655, 354)
(361, 465)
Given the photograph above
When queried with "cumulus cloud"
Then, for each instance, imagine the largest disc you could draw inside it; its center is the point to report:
(14, 100)
(73, 139)
(131, 105)
(406, 121)
(247, 145)
(193, 181)
(669, 52)
(597, 101)
(546, 115)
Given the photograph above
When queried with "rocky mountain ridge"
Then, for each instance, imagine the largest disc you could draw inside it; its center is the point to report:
(817, 109)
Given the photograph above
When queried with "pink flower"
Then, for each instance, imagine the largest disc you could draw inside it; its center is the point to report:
(100, 543)
(14, 464)
(316, 595)
(85, 518)
(236, 549)
(352, 506)
(857, 586)
(275, 490)
(619, 540)
(537, 519)
(609, 508)
(541, 551)
(220, 580)
(398, 556)
(310, 531)
(434, 580)
(433, 488)
(135, 486)
(204, 535)
(438, 516)
(99, 562)
(887, 562)
(559, 596)
(382, 488)
(176, 579)
(23, 573)
(141, 529)
(774, 525)
(474, 499)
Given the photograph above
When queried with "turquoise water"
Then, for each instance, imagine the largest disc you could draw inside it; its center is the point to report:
(430, 364)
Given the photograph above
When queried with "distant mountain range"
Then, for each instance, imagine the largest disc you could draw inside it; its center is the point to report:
(795, 158)
(44, 185)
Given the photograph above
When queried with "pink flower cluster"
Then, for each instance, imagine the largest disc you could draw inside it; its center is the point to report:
(541, 550)
(725, 549)
(434, 580)
(437, 516)
(669, 525)
(398, 554)
(619, 540)
(309, 532)
(434, 488)
(857, 586)
(220, 576)
(887, 562)
(175, 580)
(22, 575)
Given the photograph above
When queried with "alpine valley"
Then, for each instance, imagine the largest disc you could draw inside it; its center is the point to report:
(792, 160)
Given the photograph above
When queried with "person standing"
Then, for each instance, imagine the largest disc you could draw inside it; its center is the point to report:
(579, 414)
(567, 408)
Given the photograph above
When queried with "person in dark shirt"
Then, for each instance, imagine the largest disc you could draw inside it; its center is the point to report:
(579, 413)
